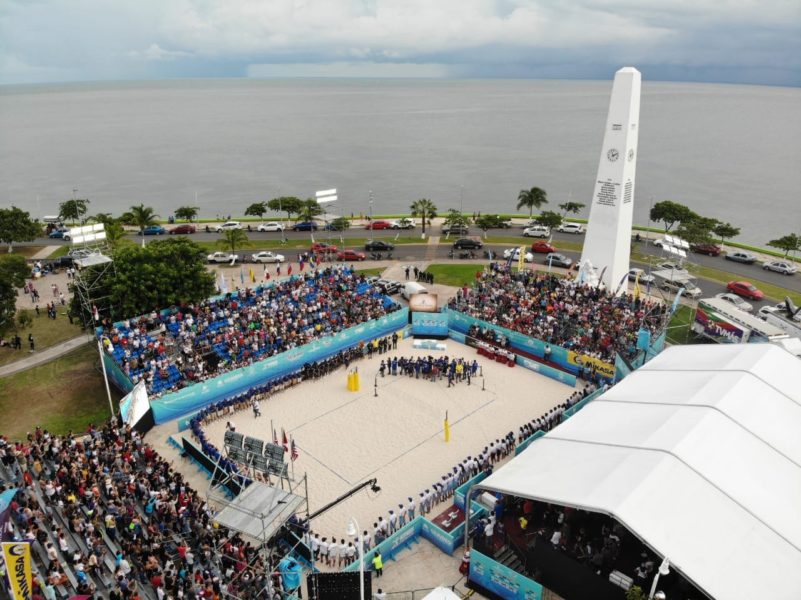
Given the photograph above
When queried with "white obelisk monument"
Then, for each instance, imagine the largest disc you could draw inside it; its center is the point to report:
(607, 245)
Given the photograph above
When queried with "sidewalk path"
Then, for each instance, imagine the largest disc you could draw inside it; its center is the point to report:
(42, 356)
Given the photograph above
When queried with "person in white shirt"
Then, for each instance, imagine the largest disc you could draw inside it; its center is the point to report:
(380, 595)
(410, 509)
(324, 546)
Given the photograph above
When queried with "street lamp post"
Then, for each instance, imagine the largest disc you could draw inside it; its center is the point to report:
(370, 222)
(353, 529)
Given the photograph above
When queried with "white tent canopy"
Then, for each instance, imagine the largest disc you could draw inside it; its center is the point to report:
(441, 593)
(698, 453)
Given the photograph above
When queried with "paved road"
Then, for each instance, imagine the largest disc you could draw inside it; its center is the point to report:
(752, 273)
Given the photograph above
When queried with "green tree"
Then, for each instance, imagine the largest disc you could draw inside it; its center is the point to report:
(16, 225)
(166, 272)
(309, 209)
(288, 204)
(531, 199)
(115, 235)
(104, 218)
(232, 239)
(670, 213)
(572, 207)
(187, 213)
(142, 216)
(257, 209)
(73, 210)
(697, 230)
(550, 219)
(13, 271)
(340, 224)
(635, 592)
(725, 231)
(788, 243)
(456, 218)
(425, 209)
(485, 222)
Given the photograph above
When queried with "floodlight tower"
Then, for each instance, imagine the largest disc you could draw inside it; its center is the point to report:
(93, 266)
(607, 246)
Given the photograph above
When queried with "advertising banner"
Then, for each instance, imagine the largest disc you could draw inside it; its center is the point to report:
(717, 327)
(5, 509)
(429, 324)
(603, 368)
(17, 556)
(424, 303)
(500, 579)
(134, 406)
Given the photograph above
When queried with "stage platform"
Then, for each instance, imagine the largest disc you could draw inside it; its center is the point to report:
(259, 511)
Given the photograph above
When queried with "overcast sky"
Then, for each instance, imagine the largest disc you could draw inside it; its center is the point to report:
(740, 41)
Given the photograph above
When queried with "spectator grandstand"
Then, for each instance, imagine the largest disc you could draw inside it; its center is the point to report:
(560, 311)
(194, 342)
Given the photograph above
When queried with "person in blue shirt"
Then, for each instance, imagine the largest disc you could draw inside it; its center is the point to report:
(291, 573)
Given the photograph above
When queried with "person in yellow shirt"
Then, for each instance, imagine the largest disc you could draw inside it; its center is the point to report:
(378, 564)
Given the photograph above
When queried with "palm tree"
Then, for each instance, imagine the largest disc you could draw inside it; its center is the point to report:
(232, 239)
(424, 208)
(142, 216)
(531, 199)
(310, 209)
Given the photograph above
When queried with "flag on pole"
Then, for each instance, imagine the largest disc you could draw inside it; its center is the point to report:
(275, 437)
(285, 440)
(294, 454)
(242, 275)
(521, 258)
(223, 284)
(5, 511)
(289, 269)
(637, 286)
(302, 264)
(252, 276)
(447, 429)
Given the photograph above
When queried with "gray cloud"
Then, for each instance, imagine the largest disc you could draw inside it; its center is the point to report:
(739, 40)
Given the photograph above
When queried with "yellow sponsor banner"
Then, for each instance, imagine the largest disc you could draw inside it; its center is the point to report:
(521, 259)
(581, 360)
(18, 565)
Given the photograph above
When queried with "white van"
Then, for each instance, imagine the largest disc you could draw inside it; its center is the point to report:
(411, 288)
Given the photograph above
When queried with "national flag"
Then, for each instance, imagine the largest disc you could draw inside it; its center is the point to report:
(447, 429)
(302, 265)
(223, 284)
(521, 258)
(252, 276)
(637, 286)
(289, 270)
(285, 441)
(294, 455)
(95, 313)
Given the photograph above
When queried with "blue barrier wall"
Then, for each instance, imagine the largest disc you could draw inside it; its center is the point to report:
(399, 540)
(116, 374)
(500, 579)
(461, 323)
(192, 398)
(527, 442)
(460, 493)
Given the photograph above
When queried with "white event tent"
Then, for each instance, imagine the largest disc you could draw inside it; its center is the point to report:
(698, 453)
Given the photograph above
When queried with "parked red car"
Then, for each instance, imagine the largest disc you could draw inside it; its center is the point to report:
(542, 247)
(708, 249)
(350, 255)
(185, 228)
(379, 225)
(323, 248)
(745, 289)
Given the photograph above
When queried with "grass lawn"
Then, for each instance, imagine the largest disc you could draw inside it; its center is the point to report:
(46, 332)
(679, 326)
(65, 394)
(26, 251)
(455, 275)
(60, 251)
(371, 272)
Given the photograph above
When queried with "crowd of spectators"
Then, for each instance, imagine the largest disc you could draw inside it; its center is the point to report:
(559, 311)
(194, 342)
(106, 515)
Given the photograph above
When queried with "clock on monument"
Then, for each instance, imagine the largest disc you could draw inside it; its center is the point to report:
(613, 155)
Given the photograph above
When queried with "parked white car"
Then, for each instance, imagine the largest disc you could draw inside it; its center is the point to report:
(540, 231)
(644, 277)
(271, 226)
(515, 254)
(403, 224)
(571, 228)
(780, 266)
(222, 257)
(736, 301)
(228, 225)
(267, 257)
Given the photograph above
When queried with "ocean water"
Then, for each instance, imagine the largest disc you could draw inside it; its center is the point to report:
(729, 152)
